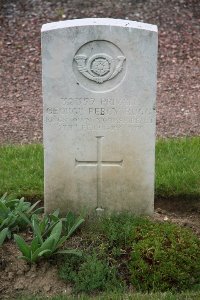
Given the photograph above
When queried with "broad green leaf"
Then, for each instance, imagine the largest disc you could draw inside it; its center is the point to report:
(61, 241)
(36, 230)
(12, 220)
(35, 244)
(11, 203)
(9, 221)
(23, 247)
(4, 223)
(1, 220)
(69, 220)
(25, 207)
(54, 219)
(56, 212)
(3, 235)
(56, 231)
(43, 224)
(44, 252)
(20, 204)
(35, 217)
(47, 245)
(4, 211)
(79, 221)
(50, 224)
(25, 218)
(70, 216)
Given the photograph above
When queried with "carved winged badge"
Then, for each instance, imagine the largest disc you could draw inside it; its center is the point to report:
(99, 67)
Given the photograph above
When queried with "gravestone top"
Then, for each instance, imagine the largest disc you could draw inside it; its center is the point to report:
(98, 21)
(99, 91)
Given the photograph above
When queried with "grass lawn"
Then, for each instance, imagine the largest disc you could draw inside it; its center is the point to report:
(136, 296)
(177, 169)
(21, 170)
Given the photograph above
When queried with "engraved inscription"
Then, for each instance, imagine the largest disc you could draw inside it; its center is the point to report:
(99, 67)
(98, 113)
(99, 163)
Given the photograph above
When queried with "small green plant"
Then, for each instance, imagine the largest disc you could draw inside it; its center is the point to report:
(164, 257)
(47, 238)
(11, 213)
(71, 223)
(47, 222)
(150, 256)
(90, 274)
(119, 228)
(42, 225)
(70, 266)
(3, 234)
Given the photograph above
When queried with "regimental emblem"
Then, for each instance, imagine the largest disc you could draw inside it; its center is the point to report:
(99, 67)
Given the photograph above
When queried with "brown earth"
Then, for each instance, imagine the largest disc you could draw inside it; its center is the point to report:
(178, 99)
(17, 277)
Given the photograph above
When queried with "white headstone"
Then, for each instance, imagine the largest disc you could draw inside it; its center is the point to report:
(99, 89)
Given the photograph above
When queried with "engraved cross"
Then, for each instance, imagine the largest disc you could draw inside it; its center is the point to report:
(99, 163)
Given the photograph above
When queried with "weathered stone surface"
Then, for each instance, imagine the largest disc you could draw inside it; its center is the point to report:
(99, 89)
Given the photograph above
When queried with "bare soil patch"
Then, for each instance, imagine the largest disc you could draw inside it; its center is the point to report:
(17, 277)
(184, 212)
